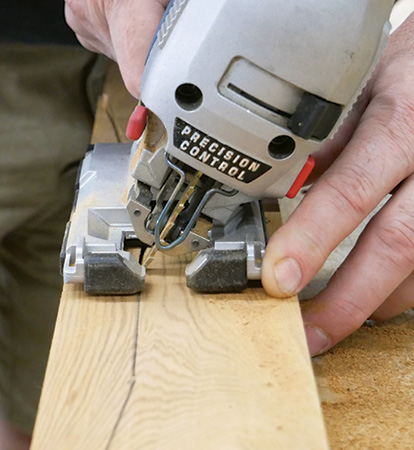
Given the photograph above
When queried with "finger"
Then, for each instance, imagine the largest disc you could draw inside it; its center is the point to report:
(331, 149)
(132, 32)
(382, 259)
(93, 36)
(399, 301)
(376, 159)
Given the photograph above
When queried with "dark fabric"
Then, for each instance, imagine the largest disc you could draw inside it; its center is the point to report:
(35, 22)
(47, 98)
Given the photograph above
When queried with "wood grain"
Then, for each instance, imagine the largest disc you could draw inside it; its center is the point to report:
(219, 371)
(104, 376)
(200, 371)
(172, 369)
(89, 371)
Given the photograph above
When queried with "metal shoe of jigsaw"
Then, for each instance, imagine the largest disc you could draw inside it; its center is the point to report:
(231, 117)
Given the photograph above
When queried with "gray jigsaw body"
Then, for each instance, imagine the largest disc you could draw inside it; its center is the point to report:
(236, 96)
(93, 251)
(105, 222)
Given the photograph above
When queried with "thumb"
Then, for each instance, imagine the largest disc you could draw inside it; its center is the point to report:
(286, 266)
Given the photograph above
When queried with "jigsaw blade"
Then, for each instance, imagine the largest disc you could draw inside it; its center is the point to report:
(173, 217)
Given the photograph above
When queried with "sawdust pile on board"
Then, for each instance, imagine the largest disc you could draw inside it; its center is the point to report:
(366, 385)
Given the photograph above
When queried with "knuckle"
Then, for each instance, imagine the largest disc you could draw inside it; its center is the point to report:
(397, 239)
(351, 190)
(88, 12)
(352, 316)
(394, 124)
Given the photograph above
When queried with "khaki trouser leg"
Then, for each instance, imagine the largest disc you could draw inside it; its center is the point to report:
(45, 123)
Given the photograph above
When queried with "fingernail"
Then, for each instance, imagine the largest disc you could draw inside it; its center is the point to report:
(288, 275)
(318, 341)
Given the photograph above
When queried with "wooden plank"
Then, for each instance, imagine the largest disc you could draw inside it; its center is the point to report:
(88, 373)
(200, 371)
(91, 369)
(219, 371)
(172, 369)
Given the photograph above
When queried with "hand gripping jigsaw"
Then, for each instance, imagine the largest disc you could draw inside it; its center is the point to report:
(236, 96)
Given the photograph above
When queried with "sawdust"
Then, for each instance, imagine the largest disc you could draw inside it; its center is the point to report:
(366, 385)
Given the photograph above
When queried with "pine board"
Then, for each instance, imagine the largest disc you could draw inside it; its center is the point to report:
(171, 369)
(177, 370)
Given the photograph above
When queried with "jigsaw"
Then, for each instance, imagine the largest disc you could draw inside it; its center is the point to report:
(236, 97)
